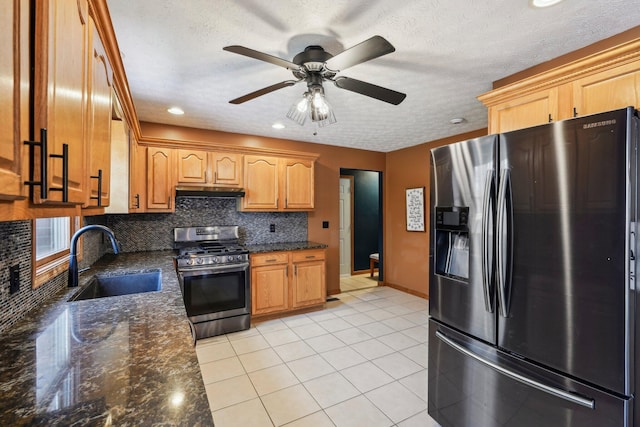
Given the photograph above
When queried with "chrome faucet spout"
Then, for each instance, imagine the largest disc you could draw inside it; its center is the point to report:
(73, 248)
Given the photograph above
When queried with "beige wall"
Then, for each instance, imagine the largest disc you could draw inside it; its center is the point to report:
(406, 253)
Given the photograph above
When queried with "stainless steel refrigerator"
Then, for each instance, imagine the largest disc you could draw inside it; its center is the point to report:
(532, 294)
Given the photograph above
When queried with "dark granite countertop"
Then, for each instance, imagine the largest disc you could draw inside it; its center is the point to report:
(126, 360)
(285, 246)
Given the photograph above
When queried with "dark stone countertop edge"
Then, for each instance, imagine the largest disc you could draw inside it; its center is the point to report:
(285, 246)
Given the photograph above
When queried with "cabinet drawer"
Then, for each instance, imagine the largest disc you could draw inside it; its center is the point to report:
(311, 255)
(269, 258)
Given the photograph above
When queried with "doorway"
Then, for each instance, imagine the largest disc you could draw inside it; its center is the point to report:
(360, 227)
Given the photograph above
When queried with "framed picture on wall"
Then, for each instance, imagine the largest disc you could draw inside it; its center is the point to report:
(415, 209)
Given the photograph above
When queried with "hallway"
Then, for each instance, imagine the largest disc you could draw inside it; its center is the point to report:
(358, 281)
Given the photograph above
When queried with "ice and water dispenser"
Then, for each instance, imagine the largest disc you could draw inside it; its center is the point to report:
(452, 242)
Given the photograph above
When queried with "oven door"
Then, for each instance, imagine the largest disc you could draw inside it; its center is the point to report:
(216, 292)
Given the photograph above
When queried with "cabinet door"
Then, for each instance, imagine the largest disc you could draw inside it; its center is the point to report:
(269, 289)
(261, 183)
(14, 57)
(227, 169)
(608, 90)
(192, 167)
(298, 184)
(526, 111)
(60, 93)
(308, 285)
(138, 177)
(160, 181)
(99, 123)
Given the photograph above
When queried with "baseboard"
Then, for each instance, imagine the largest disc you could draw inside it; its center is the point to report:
(403, 289)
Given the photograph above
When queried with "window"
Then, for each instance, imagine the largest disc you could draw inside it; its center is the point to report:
(51, 238)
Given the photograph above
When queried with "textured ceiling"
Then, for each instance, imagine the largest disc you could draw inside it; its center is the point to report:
(447, 53)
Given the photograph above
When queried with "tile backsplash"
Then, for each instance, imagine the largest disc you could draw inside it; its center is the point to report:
(135, 232)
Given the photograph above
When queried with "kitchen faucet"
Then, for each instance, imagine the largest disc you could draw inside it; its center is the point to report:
(73, 260)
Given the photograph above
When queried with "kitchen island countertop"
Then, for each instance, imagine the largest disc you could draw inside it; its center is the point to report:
(124, 360)
(285, 246)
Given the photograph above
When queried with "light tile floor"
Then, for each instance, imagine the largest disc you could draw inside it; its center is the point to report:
(358, 281)
(362, 361)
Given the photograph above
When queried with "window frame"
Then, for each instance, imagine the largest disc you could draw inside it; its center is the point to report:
(54, 264)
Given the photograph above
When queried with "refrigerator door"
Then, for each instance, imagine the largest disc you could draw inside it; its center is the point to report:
(564, 229)
(474, 384)
(461, 285)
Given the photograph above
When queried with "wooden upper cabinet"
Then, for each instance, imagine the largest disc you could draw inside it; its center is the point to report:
(526, 111)
(227, 169)
(261, 183)
(278, 184)
(209, 168)
(99, 123)
(609, 90)
(137, 177)
(60, 95)
(599, 82)
(192, 166)
(14, 96)
(160, 179)
(298, 183)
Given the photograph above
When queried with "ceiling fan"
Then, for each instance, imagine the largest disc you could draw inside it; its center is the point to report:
(315, 65)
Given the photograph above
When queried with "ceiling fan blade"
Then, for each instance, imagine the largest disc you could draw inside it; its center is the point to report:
(367, 50)
(241, 50)
(263, 91)
(368, 89)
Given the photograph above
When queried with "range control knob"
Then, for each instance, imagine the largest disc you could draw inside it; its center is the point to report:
(199, 261)
(214, 259)
(190, 261)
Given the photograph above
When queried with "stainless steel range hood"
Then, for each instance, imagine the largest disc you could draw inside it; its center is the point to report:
(208, 191)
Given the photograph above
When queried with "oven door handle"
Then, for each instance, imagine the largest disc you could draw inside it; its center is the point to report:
(213, 269)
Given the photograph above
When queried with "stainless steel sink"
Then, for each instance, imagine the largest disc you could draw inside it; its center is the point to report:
(111, 285)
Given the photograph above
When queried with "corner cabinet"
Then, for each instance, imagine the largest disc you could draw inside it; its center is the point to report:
(601, 82)
(278, 184)
(287, 280)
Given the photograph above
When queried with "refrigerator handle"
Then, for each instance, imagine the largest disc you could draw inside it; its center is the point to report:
(573, 398)
(487, 249)
(501, 251)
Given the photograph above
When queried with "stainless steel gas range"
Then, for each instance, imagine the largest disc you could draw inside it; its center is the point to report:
(213, 270)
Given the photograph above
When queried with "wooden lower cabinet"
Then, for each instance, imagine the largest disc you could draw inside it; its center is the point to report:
(287, 280)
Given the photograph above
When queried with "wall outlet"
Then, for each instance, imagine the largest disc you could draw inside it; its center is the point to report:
(14, 278)
(272, 228)
(325, 224)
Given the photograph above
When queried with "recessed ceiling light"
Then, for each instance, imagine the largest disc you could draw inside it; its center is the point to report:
(544, 3)
(277, 125)
(176, 110)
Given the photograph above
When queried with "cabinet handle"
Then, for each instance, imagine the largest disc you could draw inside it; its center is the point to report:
(215, 177)
(65, 172)
(295, 270)
(271, 260)
(286, 270)
(310, 256)
(550, 118)
(575, 112)
(43, 163)
(137, 197)
(99, 196)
